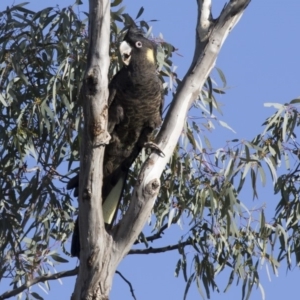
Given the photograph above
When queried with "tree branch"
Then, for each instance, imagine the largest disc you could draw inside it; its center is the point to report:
(232, 9)
(55, 276)
(205, 20)
(36, 280)
(153, 237)
(97, 264)
(205, 55)
(161, 249)
(128, 282)
(158, 234)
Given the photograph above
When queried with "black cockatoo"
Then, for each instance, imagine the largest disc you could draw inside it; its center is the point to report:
(136, 98)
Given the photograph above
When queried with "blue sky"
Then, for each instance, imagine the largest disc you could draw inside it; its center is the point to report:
(261, 62)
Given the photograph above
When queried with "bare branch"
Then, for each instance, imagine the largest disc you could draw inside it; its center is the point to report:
(95, 242)
(128, 282)
(148, 183)
(161, 249)
(158, 234)
(155, 236)
(36, 280)
(232, 9)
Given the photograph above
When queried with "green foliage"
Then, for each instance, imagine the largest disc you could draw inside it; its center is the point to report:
(42, 56)
(42, 63)
(205, 188)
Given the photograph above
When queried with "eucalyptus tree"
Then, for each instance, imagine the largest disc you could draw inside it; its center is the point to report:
(54, 77)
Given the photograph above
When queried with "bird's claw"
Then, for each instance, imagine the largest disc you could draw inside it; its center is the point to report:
(153, 146)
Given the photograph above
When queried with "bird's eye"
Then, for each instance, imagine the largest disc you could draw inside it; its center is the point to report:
(138, 44)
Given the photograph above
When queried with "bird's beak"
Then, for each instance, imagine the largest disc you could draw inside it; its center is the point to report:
(125, 51)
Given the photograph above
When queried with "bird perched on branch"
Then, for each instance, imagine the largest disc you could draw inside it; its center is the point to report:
(136, 98)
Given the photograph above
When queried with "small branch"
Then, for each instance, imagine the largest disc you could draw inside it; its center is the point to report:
(162, 249)
(296, 170)
(157, 235)
(128, 282)
(44, 278)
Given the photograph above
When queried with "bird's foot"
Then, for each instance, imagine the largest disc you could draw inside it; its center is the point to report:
(154, 147)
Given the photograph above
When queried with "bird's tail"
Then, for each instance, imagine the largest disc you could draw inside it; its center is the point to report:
(75, 245)
(112, 201)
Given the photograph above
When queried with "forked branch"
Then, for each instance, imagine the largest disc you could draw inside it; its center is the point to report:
(210, 36)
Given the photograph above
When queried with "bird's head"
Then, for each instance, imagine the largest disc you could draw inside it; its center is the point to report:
(135, 46)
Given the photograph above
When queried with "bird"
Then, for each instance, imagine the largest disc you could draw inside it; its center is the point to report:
(135, 103)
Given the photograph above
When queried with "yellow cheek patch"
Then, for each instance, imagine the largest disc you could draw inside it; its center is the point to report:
(150, 55)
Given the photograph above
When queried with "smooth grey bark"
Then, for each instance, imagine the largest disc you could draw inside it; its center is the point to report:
(96, 256)
(102, 252)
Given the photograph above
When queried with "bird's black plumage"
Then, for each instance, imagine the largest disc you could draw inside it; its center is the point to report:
(135, 110)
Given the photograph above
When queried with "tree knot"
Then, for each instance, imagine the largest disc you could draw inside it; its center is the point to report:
(152, 187)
